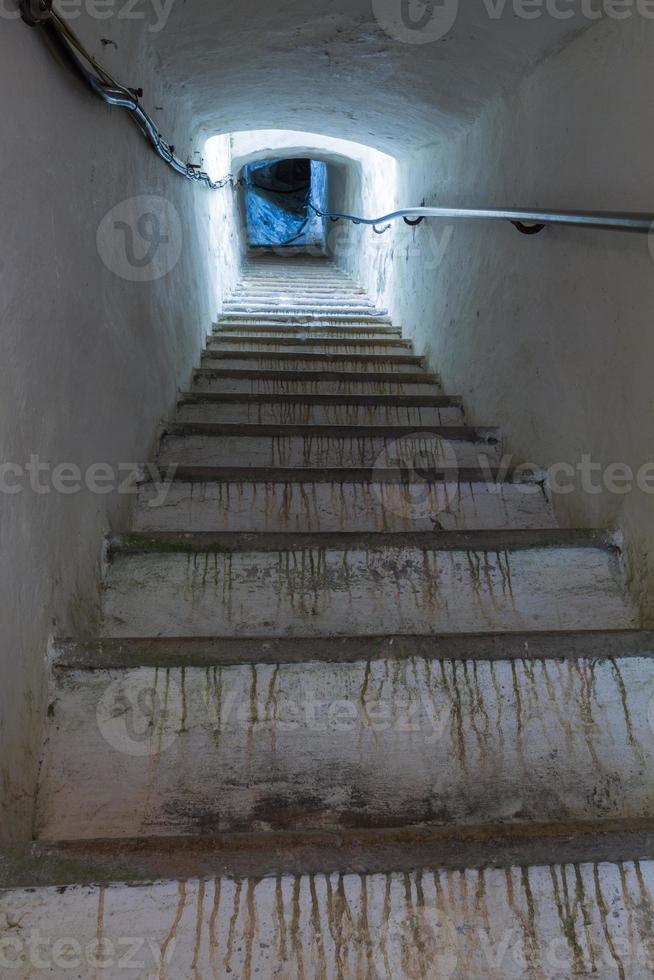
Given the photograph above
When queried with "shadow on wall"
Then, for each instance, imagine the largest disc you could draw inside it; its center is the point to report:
(278, 199)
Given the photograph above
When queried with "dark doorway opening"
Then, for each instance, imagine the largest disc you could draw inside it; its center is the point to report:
(280, 196)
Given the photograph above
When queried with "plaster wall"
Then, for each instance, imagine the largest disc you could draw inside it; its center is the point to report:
(550, 336)
(91, 361)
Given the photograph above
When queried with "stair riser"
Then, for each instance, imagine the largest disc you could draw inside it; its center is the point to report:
(421, 452)
(301, 507)
(292, 303)
(305, 330)
(215, 345)
(364, 590)
(306, 318)
(327, 297)
(298, 413)
(268, 362)
(370, 744)
(337, 294)
(339, 283)
(298, 386)
(447, 924)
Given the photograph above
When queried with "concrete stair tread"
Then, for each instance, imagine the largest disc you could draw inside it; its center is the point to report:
(241, 330)
(411, 401)
(489, 435)
(227, 758)
(323, 375)
(306, 344)
(139, 860)
(471, 541)
(107, 653)
(302, 499)
(364, 582)
(349, 474)
(311, 357)
(319, 410)
(283, 444)
(294, 318)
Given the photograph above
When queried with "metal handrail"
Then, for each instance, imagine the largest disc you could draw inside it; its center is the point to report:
(527, 221)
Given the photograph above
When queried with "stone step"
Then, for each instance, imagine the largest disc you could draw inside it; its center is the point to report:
(281, 282)
(170, 584)
(229, 499)
(309, 330)
(314, 307)
(589, 916)
(312, 360)
(349, 347)
(323, 382)
(204, 444)
(288, 310)
(370, 744)
(209, 652)
(288, 302)
(261, 290)
(322, 295)
(293, 318)
(322, 409)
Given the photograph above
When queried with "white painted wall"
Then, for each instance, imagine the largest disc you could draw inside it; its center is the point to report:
(550, 336)
(90, 361)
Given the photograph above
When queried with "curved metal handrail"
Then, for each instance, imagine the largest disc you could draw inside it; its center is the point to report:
(526, 220)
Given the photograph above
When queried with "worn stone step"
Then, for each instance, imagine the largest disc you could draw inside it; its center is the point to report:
(368, 744)
(209, 652)
(350, 347)
(312, 360)
(296, 306)
(323, 297)
(204, 444)
(169, 584)
(314, 331)
(343, 501)
(299, 306)
(322, 409)
(293, 318)
(207, 909)
(264, 292)
(141, 860)
(315, 382)
(277, 283)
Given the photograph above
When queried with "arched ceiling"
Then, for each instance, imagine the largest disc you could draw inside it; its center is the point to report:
(251, 146)
(329, 66)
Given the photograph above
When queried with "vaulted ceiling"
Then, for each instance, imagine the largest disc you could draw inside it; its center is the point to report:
(347, 69)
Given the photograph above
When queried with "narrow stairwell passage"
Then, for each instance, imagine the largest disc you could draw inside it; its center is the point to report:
(354, 675)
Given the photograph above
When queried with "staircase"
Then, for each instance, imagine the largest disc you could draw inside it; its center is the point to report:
(358, 708)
